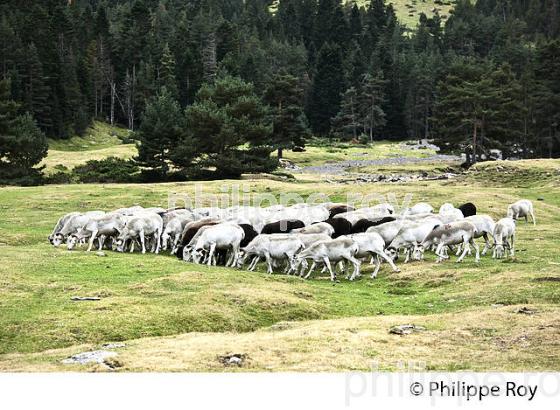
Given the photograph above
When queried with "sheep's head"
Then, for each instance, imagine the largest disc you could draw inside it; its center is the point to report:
(58, 239)
(509, 212)
(392, 253)
(164, 240)
(72, 242)
(499, 251)
(197, 254)
(418, 252)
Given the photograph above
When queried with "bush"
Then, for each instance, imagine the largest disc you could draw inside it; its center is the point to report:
(110, 169)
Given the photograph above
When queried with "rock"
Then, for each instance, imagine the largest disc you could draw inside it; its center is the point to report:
(540, 198)
(96, 356)
(526, 311)
(100, 253)
(233, 359)
(406, 329)
(84, 298)
(113, 345)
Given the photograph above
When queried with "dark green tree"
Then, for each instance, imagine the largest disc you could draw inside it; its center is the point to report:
(160, 132)
(289, 124)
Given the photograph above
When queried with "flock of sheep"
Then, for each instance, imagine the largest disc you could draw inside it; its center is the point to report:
(291, 237)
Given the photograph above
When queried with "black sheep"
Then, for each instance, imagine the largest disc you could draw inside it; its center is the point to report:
(250, 234)
(363, 224)
(283, 226)
(338, 209)
(341, 226)
(468, 209)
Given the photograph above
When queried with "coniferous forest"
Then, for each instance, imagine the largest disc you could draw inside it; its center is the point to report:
(221, 84)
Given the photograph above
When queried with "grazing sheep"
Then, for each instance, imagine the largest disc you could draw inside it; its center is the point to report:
(334, 250)
(521, 209)
(141, 227)
(73, 224)
(410, 235)
(484, 225)
(319, 227)
(272, 247)
(172, 232)
(504, 237)
(341, 226)
(60, 224)
(108, 225)
(190, 230)
(454, 233)
(372, 244)
(224, 236)
(468, 209)
(364, 224)
(282, 226)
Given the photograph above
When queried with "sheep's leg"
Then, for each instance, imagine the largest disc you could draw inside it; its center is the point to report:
(533, 217)
(459, 249)
(377, 265)
(356, 264)
(407, 255)
(441, 257)
(486, 243)
(253, 263)
(143, 241)
(158, 240)
(211, 253)
(465, 248)
(327, 263)
(512, 248)
(91, 239)
(310, 270)
(477, 250)
(268, 262)
(132, 243)
(389, 261)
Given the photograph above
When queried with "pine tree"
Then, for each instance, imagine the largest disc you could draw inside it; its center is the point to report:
(326, 89)
(289, 125)
(371, 101)
(161, 130)
(22, 144)
(167, 72)
(35, 91)
(347, 122)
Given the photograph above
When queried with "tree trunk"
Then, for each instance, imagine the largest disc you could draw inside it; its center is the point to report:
(474, 143)
(280, 152)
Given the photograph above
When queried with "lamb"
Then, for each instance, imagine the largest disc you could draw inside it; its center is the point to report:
(60, 224)
(316, 228)
(454, 233)
(504, 237)
(224, 236)
(272, 247)
(149, 224)
(521, 209)
(372, 244)
(334, 250)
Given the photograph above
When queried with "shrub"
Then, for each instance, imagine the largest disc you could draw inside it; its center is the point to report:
(110, 169)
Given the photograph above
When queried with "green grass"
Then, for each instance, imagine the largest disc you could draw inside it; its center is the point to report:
(318, 154)
(100, 141)
(148, 295)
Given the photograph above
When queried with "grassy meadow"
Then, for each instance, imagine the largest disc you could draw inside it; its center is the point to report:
(176, 316)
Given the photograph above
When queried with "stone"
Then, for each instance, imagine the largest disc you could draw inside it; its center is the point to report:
(403, 330)
(84, 298)
(100, 253)
(95, 356)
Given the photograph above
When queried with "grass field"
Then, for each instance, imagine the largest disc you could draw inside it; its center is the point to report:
(175, 316)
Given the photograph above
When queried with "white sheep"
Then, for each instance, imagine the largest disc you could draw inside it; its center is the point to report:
(504, 237)
(521, 209)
